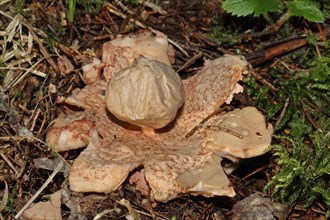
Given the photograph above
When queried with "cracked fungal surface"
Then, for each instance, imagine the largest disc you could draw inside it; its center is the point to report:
(173, 164)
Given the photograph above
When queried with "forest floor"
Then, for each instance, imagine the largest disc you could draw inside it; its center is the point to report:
(31, 83)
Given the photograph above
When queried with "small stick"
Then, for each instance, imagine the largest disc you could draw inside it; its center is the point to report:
(154, 7)
(190, 61)
(286, 104)
(128, 205)
(35, 72)
(42, 125)
(255, 171)
(322, 34)
(4, 198)
(225, 130)
(309, 116)
(101, 214)
(3, 2)
(37, 113)
(192, 131)
(5, 158)
(259, 57)
(103, 37)
(124, 7)
(264, 81)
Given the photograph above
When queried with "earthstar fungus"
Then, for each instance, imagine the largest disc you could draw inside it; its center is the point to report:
(173, 164)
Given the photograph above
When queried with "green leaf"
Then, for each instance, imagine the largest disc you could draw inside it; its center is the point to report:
(307, 9)
(247, 7)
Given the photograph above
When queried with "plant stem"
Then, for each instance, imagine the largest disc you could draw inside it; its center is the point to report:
(71, 11)
(286, 16)
(268, 18)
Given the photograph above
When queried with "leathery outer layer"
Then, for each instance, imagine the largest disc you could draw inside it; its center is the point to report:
(173, 164)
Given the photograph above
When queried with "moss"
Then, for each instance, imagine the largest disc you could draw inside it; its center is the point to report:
(305, 169)
(305, 173)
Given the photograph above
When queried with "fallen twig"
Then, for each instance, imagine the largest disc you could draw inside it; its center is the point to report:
(285, 107)
(190, 61)
(277, 48)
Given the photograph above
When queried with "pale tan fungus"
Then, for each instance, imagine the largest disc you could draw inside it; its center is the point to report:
(173, 165)
(210, 87)
(71, 132)
(45, 210)
(92, 71)
(233, 134)
(122, 51)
